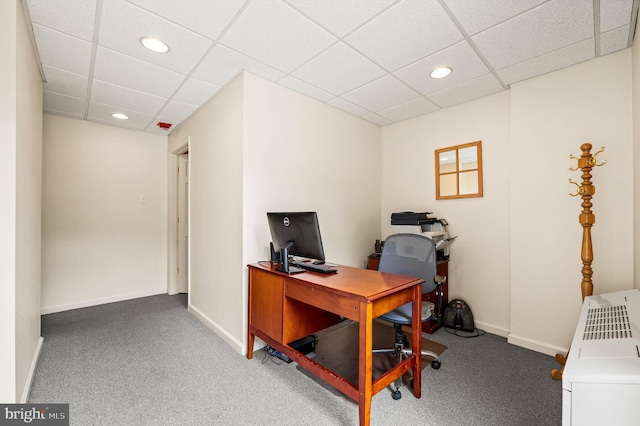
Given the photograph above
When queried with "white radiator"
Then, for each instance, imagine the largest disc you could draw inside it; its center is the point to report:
(601, 378)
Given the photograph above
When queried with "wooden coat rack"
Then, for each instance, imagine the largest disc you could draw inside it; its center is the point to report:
(586, 191)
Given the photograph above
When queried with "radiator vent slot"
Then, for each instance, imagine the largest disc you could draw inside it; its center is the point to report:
(609, 322)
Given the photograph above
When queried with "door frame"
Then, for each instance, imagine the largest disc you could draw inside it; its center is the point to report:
(172, 232)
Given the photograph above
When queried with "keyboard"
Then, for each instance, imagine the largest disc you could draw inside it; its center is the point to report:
(309, 266)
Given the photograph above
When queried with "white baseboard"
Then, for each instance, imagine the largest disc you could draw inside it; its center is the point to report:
(32, 371)
(237, 345)
(493, 329)
(541, 347)
(94, 302)
(523, 342)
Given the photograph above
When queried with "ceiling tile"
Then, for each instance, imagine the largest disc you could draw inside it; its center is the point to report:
(196, 92)
(63, 105)
(65, 82)
(276, 35)
(381, 94)
(552, 61)
(177, 111)
(473, 89)
(339, 69)
(460, 57)
(476, 16)
(72, 17)
(405, 33)
(222, 65)
(122, 70)
(375, 118)
(614, 40)
(546, 28)
(337, 51)
(305, 88)
(207, 17)
(102, 114)
(348, 107)
(341, 16)
(74, 57)
(409, 109)
(123, 25)
(132, 100)
(614, 14)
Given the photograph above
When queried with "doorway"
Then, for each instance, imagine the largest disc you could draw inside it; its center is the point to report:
(178, 251)
(183, 223)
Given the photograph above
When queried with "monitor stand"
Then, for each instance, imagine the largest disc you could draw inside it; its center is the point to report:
(284, 262)
(291, 270)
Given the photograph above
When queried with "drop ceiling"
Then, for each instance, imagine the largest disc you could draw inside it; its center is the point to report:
(371, 58)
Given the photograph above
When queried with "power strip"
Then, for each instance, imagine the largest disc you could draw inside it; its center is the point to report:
(274, 352)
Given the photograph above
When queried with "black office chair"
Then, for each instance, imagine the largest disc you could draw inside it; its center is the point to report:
(413, 255)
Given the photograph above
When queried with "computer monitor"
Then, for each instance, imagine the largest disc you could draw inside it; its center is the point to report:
(295, 234)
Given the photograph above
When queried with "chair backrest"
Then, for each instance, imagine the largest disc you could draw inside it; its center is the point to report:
(410, 254)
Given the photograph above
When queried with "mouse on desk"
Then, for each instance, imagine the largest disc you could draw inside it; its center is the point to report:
(318, 262)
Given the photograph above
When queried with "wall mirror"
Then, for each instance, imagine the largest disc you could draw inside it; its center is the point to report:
(459, 171)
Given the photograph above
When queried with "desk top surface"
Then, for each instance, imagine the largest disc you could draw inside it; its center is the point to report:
(357, 283)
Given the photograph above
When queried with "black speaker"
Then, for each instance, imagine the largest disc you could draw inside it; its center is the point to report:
(457, 315)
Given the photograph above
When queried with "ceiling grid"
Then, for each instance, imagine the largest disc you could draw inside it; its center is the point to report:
(371, 59)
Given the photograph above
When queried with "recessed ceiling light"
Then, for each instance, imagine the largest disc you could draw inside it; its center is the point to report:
(119, 116)
(154, 44)
(441, 72)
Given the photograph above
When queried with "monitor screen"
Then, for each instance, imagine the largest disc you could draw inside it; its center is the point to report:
(298, 232)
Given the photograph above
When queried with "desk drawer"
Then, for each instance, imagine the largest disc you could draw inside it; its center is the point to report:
(324, 300)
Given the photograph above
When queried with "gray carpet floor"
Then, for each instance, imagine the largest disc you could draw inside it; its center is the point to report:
(149, 361)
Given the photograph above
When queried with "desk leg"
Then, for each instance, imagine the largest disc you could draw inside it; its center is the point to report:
(250, 341)
(365, 376)
(416, 339)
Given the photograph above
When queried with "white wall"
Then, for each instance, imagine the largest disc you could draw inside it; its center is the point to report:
(303, 155)
(28, 210)
(255, 147)
(99, 243)
(517, 259)
(8, 148)
(479, 258)
(215, 221)
(20, 178)
(551, 117)
(635, 82)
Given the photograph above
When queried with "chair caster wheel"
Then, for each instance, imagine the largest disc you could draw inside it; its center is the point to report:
(396, 395)
(435, 364)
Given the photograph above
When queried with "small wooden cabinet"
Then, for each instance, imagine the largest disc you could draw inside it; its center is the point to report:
(442, 269)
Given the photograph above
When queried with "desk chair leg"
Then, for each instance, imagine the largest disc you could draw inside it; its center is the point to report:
(401, 352)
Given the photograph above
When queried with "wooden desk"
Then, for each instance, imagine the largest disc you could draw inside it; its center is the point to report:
(284, 308)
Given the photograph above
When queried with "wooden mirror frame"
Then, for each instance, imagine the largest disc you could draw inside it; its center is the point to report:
(454, 174)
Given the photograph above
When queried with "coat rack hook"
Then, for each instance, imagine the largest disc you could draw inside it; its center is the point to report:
(593, 162)
(573, 157)
(579, 191)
